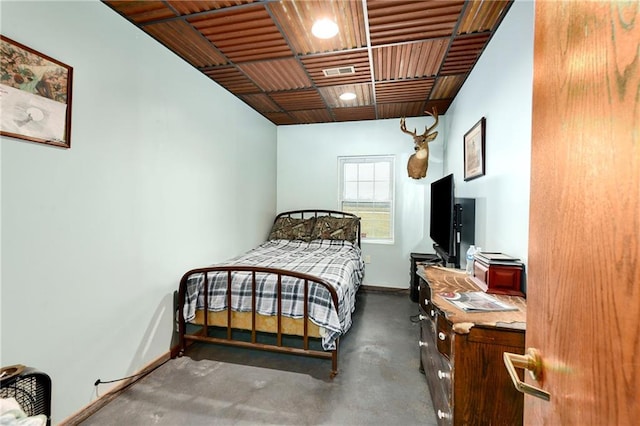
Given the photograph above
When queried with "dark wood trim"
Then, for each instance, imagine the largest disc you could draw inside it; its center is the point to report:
(377, 289)
(110, 395)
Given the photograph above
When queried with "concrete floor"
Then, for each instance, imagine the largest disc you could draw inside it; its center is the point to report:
(378, 383)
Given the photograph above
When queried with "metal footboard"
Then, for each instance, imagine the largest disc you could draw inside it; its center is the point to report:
(202, 334)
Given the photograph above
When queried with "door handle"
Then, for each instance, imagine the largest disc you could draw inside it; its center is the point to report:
(531, 362)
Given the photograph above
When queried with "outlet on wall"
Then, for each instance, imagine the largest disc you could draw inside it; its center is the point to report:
(367, 258)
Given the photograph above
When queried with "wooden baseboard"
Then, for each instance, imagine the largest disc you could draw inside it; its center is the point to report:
(103, 400)
(376, 289)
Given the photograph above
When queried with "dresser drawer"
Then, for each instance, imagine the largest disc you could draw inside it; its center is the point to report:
(442, 372)
(424, 294)
(427, 357)
(443, 336)
(428, 350)
(437, 372)
(441, 405)
(431, 312)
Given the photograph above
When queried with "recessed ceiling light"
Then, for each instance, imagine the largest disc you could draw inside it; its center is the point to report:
(348, 96)
(324, 28)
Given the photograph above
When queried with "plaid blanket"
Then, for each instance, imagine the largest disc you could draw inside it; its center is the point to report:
(337, 262)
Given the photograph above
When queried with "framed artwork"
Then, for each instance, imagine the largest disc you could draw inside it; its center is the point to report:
(474, 152)
(35, 95)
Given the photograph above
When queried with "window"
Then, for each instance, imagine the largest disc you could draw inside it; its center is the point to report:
(366, 189)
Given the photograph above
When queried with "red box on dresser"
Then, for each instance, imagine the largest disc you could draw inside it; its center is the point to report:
(499, 278)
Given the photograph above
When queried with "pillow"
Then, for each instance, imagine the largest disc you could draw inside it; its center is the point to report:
(288, 228)
(336, 228)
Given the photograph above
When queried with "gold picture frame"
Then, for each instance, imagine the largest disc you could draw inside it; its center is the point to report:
(35, 95)
(474, 151)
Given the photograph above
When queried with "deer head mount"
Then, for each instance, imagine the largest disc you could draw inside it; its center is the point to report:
(419, 161)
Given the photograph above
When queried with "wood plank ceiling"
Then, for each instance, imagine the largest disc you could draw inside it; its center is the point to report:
(407, 56)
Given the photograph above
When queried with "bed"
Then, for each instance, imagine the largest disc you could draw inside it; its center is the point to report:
(302, 281)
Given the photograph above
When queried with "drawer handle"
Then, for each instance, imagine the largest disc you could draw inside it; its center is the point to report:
(443, 375)
(442, 336)
(421, 343)
(532, 362)
(443, 415)
(433, 313)
(422, 317)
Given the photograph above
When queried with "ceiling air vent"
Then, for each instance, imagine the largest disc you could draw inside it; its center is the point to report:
(332, 72)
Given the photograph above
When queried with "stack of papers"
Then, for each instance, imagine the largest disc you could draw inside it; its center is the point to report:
(493, 258)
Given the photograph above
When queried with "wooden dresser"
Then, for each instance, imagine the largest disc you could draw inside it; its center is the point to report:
(461, 353)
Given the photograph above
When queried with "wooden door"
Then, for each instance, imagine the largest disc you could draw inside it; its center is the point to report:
(583, 299)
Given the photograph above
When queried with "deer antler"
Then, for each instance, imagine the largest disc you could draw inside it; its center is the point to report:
(403, 127)
(435, 123)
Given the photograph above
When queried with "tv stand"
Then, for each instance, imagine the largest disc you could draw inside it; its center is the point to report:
(448, 260)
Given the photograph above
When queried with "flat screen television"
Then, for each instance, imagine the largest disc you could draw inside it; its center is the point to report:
(442, 218)
(452, 222)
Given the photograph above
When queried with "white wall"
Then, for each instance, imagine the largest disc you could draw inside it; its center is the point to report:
(166, 171)
(308, 178)
(499, 89)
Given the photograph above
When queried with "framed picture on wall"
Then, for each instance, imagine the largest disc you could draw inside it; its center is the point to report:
(35, 95)
(474, 151)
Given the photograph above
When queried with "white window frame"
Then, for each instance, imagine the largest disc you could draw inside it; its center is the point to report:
(342, 160)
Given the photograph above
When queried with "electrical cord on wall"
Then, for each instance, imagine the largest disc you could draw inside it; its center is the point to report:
(142, 373)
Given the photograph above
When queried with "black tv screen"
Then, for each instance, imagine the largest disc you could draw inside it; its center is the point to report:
(441, 229)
